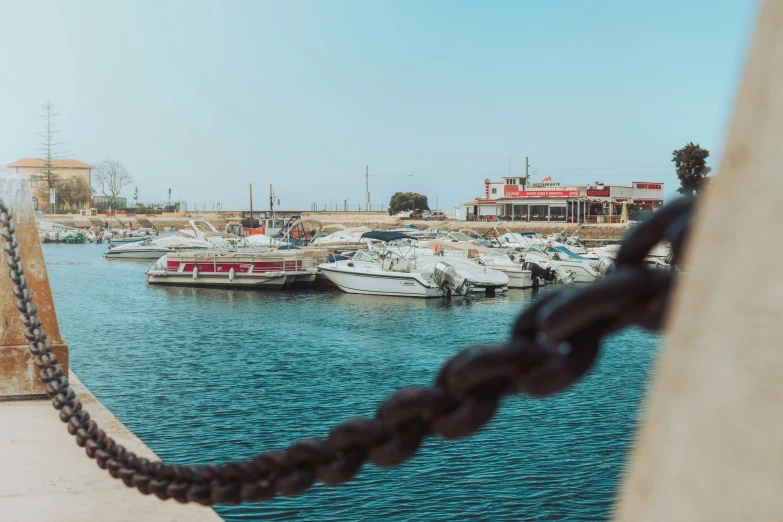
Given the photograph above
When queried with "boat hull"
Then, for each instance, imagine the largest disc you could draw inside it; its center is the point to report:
(390, 284)
(135, 254)
(274, 281)
(213, 269)
(518, 278)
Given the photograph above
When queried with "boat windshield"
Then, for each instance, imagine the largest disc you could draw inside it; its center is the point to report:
(363, 255)
(564, 250)
(495, 254)
(459, 236)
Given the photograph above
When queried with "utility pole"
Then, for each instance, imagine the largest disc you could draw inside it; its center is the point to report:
(271, 203)
(527, 167)
(251, 205)
(366, 187)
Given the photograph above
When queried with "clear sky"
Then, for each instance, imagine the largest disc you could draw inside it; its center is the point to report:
(206, 97)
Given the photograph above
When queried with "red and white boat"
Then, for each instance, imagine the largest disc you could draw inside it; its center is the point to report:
(273, 269)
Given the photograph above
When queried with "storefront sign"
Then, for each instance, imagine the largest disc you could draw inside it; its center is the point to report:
(654, 186)
(595, 192)
(541, 193)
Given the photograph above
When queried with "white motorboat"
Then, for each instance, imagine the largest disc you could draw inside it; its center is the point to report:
(562, 261)
(482, 279)
(659, 257)
(342, 235)
(155, 248)
(496, 260)
(385, 272)
(521, 240)
(201, 235)
(399, 268)
(518, 275)
(364, 274)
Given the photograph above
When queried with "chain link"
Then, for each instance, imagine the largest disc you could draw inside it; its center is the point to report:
(553, 343)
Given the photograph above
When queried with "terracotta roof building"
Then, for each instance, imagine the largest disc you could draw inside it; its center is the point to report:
(34, 168)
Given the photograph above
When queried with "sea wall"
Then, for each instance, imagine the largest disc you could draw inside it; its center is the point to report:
(379, 220)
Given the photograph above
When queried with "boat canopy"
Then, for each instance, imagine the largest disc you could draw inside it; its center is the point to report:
(386, 236)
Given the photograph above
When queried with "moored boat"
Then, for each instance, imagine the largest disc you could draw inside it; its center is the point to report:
(273, 269)
(396, 270)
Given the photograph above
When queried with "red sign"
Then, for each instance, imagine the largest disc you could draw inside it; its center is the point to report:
(655, 186)
(594, 192)
(542, 193)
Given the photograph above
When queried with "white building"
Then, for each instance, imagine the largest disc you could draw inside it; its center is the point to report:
(514, 200)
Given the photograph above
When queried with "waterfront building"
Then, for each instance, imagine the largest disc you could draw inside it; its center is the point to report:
(34, 170)
(514, 199)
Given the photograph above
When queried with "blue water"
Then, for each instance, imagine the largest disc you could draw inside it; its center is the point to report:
(204, 375)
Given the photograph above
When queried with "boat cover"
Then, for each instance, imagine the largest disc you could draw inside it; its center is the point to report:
(386, 236)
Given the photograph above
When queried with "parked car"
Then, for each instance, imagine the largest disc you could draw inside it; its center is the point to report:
(416, 214)
(438, 215)
(39, 213)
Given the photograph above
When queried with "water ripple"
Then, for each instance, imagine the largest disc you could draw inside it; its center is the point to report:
(212, 375)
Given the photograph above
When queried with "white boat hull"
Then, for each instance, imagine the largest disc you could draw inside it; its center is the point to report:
(518, 278)
(580, 272)
(134, 254)
(382, 283)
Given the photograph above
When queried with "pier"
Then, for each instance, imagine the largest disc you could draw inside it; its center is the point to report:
(45, 475)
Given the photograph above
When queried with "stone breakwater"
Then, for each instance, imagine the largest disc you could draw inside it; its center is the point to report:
(380, 220)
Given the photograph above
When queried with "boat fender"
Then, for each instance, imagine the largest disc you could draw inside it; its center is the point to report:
(195, 273)
(231, 275)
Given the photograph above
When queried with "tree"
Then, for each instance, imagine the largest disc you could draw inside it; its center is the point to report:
(70, 193)
(407, 201)
(48, 148)
(112, 177)
(691, 164)
(62, 189)
(80, 192)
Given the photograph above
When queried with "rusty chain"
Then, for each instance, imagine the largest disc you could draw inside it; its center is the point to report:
(554, 342)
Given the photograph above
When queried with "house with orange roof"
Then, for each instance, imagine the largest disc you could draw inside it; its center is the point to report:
(34, 170)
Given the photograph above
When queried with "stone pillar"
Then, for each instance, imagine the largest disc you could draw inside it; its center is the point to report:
(710, 446)
(18, 374)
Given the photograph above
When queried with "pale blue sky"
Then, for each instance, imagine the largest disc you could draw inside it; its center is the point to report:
(206, 97)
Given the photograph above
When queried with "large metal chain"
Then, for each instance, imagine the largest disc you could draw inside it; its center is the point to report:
(554, 342)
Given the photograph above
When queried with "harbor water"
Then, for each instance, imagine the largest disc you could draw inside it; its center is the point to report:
(210, 375)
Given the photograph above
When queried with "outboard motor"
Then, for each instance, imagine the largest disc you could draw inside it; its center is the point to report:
(605, 266)
(446, 277)
(538, 272)
(563, 275)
